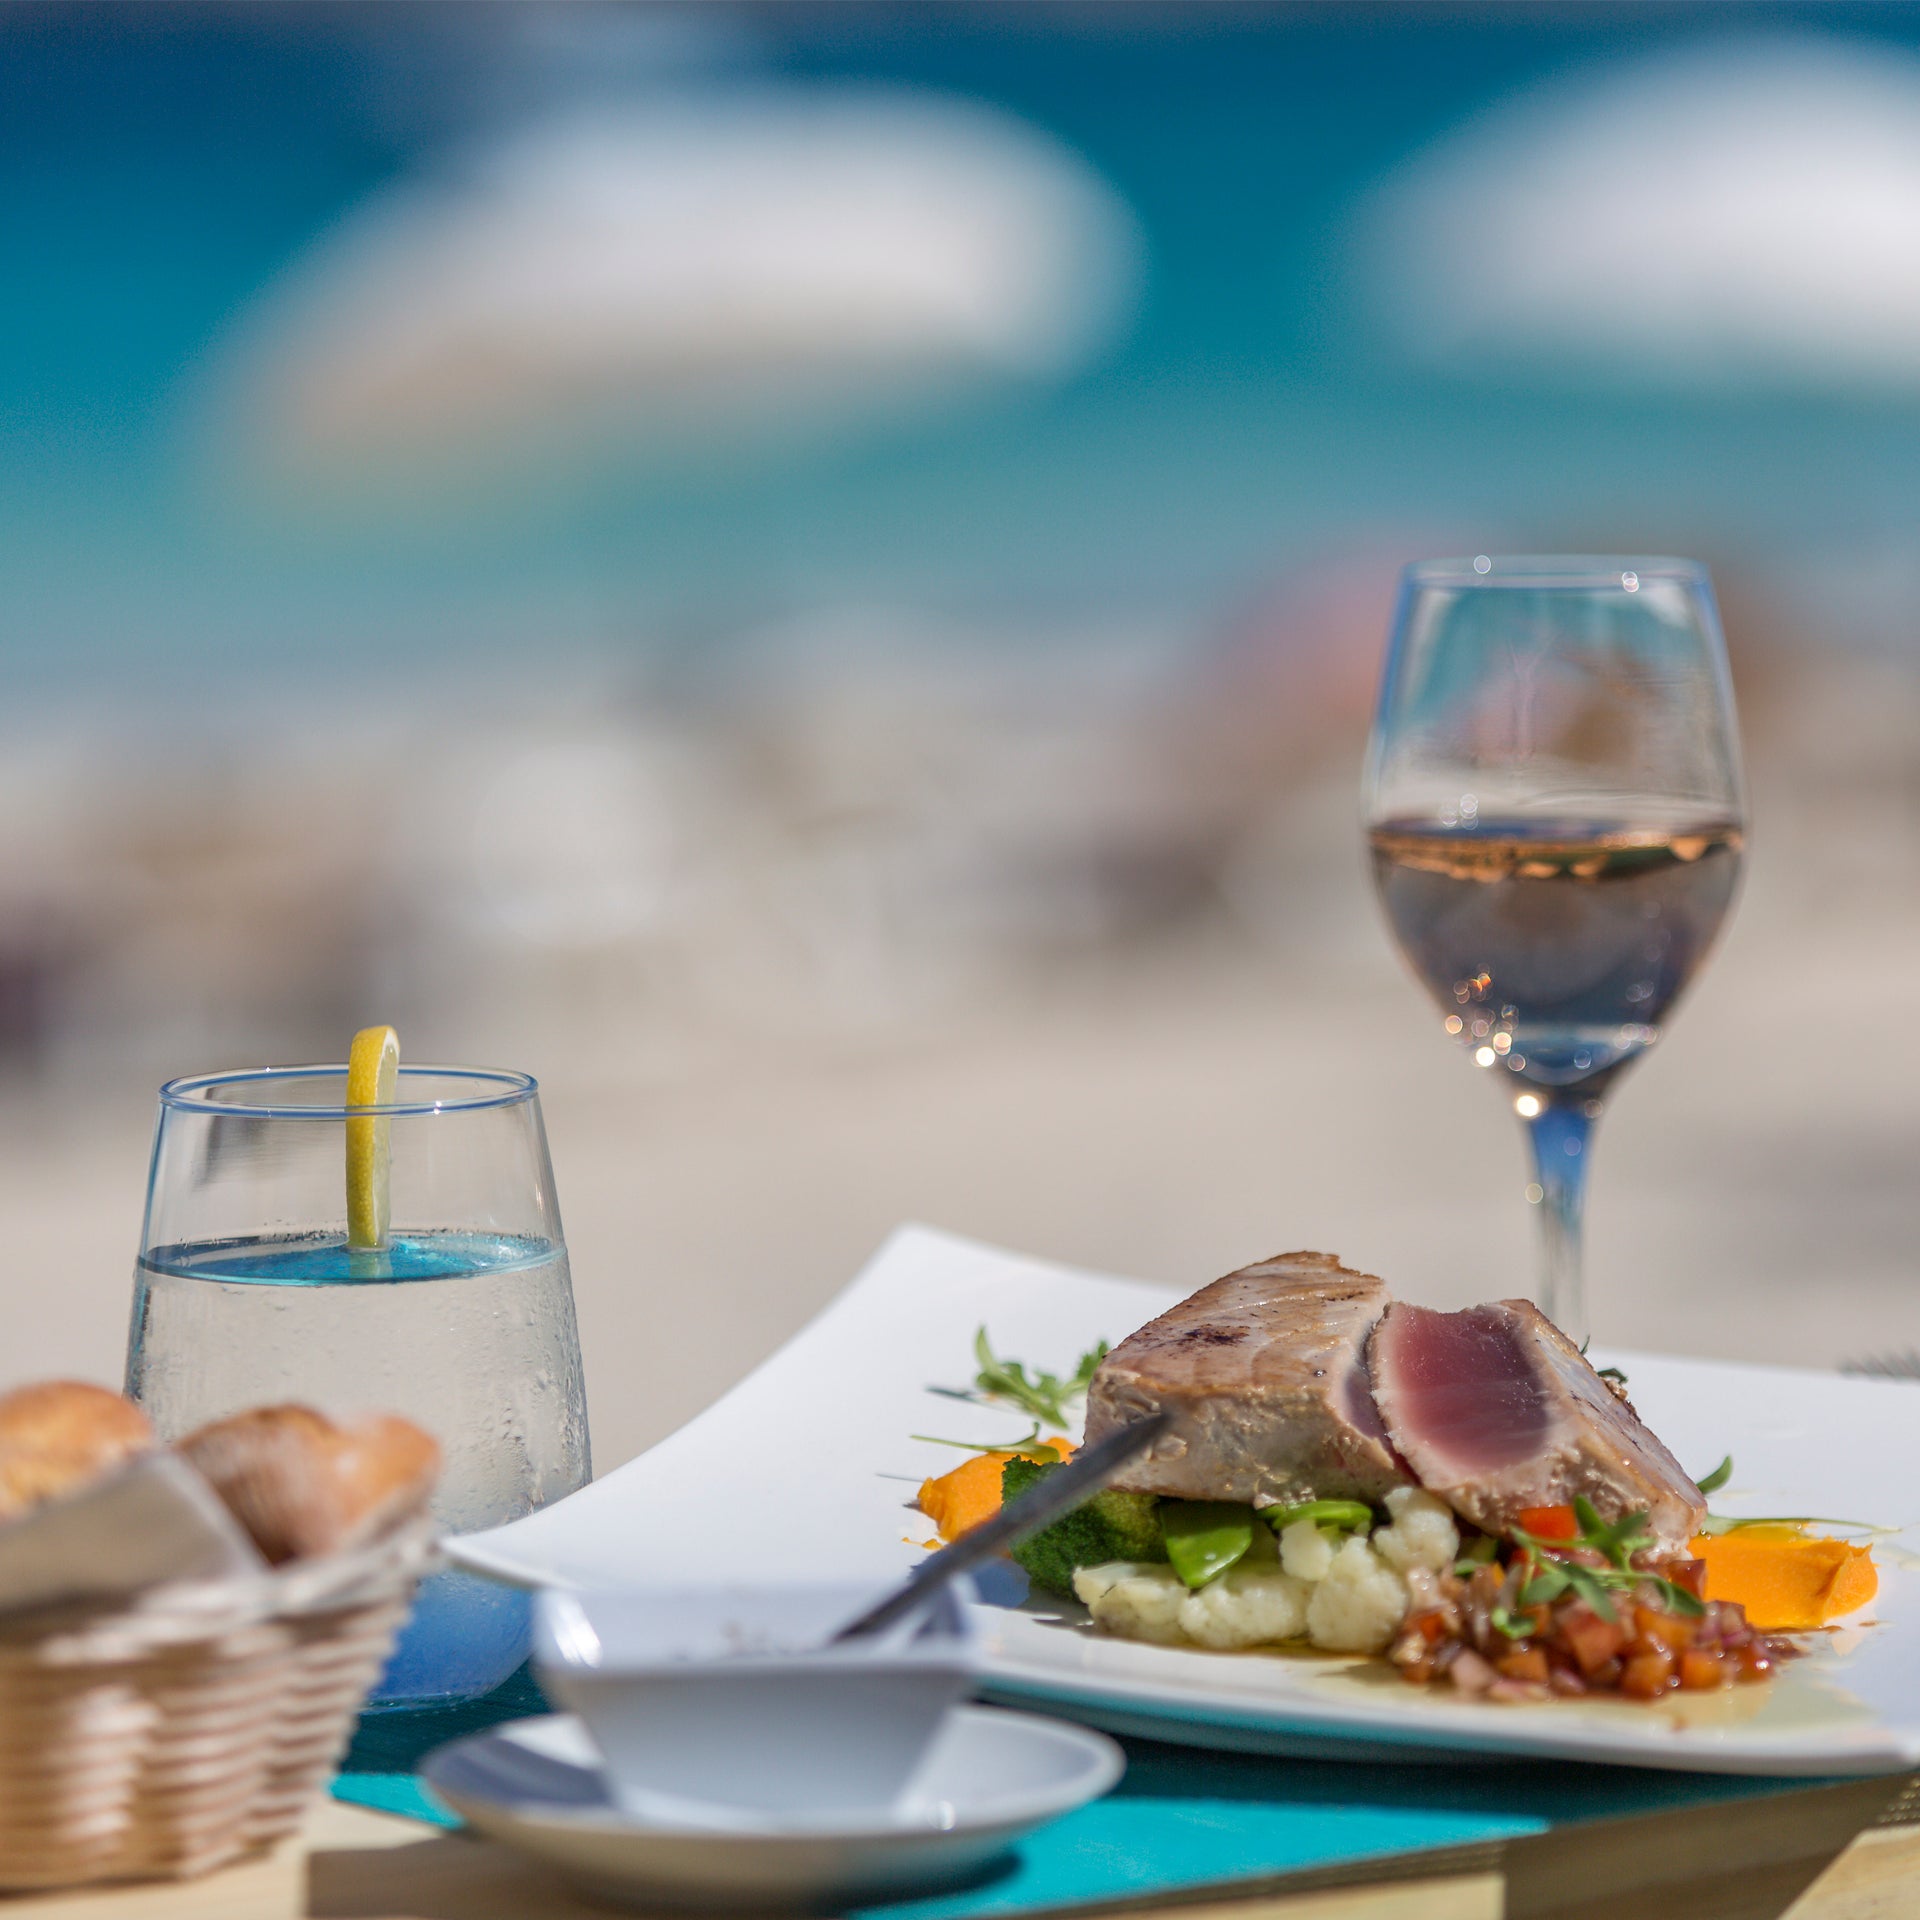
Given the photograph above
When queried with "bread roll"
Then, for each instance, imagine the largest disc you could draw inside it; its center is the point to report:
(387, 1466)
(58, 1435)
(72, 1416)
(300, 1485)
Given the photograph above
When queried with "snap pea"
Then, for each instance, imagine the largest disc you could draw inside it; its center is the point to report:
(1339, 1516)
(1205, 1537)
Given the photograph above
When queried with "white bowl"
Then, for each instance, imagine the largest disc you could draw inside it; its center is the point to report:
(989, 1777)
(724, 1707)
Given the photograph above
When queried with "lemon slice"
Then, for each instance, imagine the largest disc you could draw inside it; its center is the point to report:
(373, 1072)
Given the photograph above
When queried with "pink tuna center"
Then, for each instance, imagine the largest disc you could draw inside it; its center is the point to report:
(1463, 1385)
(1362, 1414)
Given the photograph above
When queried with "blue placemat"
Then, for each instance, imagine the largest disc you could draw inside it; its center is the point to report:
(378, 1770)
(1181, 1818)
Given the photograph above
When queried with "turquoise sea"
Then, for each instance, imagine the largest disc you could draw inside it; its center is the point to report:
(160, 166)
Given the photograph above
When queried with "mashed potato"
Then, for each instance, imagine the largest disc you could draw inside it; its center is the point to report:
(1347, 1594)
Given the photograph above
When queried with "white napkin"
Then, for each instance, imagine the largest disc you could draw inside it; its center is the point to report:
(156, 1520)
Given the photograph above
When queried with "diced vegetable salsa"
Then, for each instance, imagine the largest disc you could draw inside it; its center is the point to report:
(1593, 1610)
(1478, 1633)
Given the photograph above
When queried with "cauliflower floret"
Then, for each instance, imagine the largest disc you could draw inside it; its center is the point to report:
(1421, 1533)
(1091, 1583)
(1306, 1551)
(1134, 1600)
(1245, 1607)
(1356, 1608)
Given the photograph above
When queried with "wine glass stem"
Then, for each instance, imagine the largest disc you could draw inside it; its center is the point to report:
(1560, 1134)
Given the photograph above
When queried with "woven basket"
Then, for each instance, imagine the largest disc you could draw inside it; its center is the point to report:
(161, 1739)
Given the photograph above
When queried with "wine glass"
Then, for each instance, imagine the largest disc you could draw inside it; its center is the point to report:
(247, 1293)
(1556, 817)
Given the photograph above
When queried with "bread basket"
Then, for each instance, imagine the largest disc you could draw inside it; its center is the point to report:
(162, 1737)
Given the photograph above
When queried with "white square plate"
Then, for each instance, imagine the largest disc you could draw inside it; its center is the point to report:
(805, 1470)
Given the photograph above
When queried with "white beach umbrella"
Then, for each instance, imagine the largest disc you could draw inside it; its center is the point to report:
(678, 274)
(1734, 211)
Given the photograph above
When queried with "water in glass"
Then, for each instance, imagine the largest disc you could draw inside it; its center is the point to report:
(467, 1330)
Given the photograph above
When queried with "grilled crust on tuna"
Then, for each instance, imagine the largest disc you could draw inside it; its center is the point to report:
(1497, 1410)
(1263, 1377)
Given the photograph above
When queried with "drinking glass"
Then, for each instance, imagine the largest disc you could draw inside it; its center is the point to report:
(1556, 816)
(246, 1294)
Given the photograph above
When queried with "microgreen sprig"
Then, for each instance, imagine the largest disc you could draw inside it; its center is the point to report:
(981, 1446)
(1046, 1396)
(1620, 1541)
(1518, 1627)
(1719, 1523)
(1616, 1542)
(1481, 1551)
(1718, 1478)
(1612, 1374)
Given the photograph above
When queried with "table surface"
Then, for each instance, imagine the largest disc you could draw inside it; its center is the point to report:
(352, 1864)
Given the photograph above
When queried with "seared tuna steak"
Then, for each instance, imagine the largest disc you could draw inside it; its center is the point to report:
(1264, 1378)
(1496, 1410)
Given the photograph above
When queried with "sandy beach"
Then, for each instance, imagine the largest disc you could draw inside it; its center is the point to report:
(1170, 1114)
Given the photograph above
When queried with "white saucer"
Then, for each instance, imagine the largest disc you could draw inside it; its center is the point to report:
(990, 1776)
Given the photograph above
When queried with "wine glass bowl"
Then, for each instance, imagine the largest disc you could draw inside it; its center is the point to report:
(1556, 820)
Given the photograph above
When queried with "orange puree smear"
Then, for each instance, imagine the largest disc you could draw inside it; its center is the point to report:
(957, 1502)
(1787, 1580)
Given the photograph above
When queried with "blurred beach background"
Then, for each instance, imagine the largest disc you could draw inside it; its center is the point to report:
(813, 575)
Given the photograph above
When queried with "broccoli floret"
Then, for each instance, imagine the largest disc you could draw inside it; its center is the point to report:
(1110, 1526)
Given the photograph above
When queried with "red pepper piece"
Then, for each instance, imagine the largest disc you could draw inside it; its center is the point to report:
(1548, 1523)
